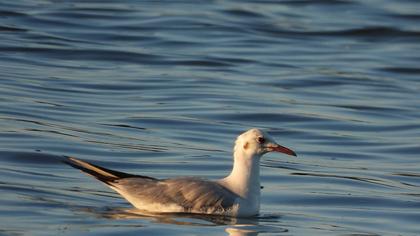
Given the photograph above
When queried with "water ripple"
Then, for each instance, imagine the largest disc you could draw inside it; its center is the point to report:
(164, 89)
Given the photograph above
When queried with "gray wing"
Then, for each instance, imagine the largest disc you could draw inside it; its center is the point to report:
(192, 194)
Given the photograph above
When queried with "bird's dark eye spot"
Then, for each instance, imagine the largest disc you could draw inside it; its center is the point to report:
(261, 140)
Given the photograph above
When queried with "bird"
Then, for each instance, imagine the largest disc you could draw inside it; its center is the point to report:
(236, 195)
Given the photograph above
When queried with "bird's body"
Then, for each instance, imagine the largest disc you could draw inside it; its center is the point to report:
(236, 195)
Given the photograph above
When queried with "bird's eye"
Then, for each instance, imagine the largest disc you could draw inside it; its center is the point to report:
(261, 140)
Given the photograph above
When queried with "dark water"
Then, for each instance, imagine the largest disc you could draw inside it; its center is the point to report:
(164, 88)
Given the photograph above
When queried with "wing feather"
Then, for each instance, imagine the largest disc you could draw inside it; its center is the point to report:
(189, 194)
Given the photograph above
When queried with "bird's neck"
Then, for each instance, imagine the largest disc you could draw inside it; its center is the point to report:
(244, 179)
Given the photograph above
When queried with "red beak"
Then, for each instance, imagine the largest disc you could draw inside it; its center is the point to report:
(285, 150)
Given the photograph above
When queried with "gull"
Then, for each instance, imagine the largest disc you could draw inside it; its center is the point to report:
(237, 195)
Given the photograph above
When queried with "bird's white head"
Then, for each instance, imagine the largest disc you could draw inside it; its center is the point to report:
(244, 179)
(255, 143)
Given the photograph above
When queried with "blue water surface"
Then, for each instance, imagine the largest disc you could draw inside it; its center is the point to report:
(163, 88)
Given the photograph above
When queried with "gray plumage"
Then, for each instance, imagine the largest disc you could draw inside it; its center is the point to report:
(185, 194)
(191, 194)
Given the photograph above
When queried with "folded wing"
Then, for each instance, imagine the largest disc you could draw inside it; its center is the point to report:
(168, 195)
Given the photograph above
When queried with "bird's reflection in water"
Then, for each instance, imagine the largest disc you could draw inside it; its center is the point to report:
(237, 226)
(241, 232)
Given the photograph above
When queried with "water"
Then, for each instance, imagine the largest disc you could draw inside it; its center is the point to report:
(163, 89)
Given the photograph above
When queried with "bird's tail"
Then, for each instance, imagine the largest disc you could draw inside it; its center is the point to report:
(102, 174)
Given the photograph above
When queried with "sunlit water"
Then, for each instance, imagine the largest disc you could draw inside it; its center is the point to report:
(163, 89)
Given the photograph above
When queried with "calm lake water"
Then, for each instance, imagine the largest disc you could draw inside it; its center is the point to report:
(163, 89)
